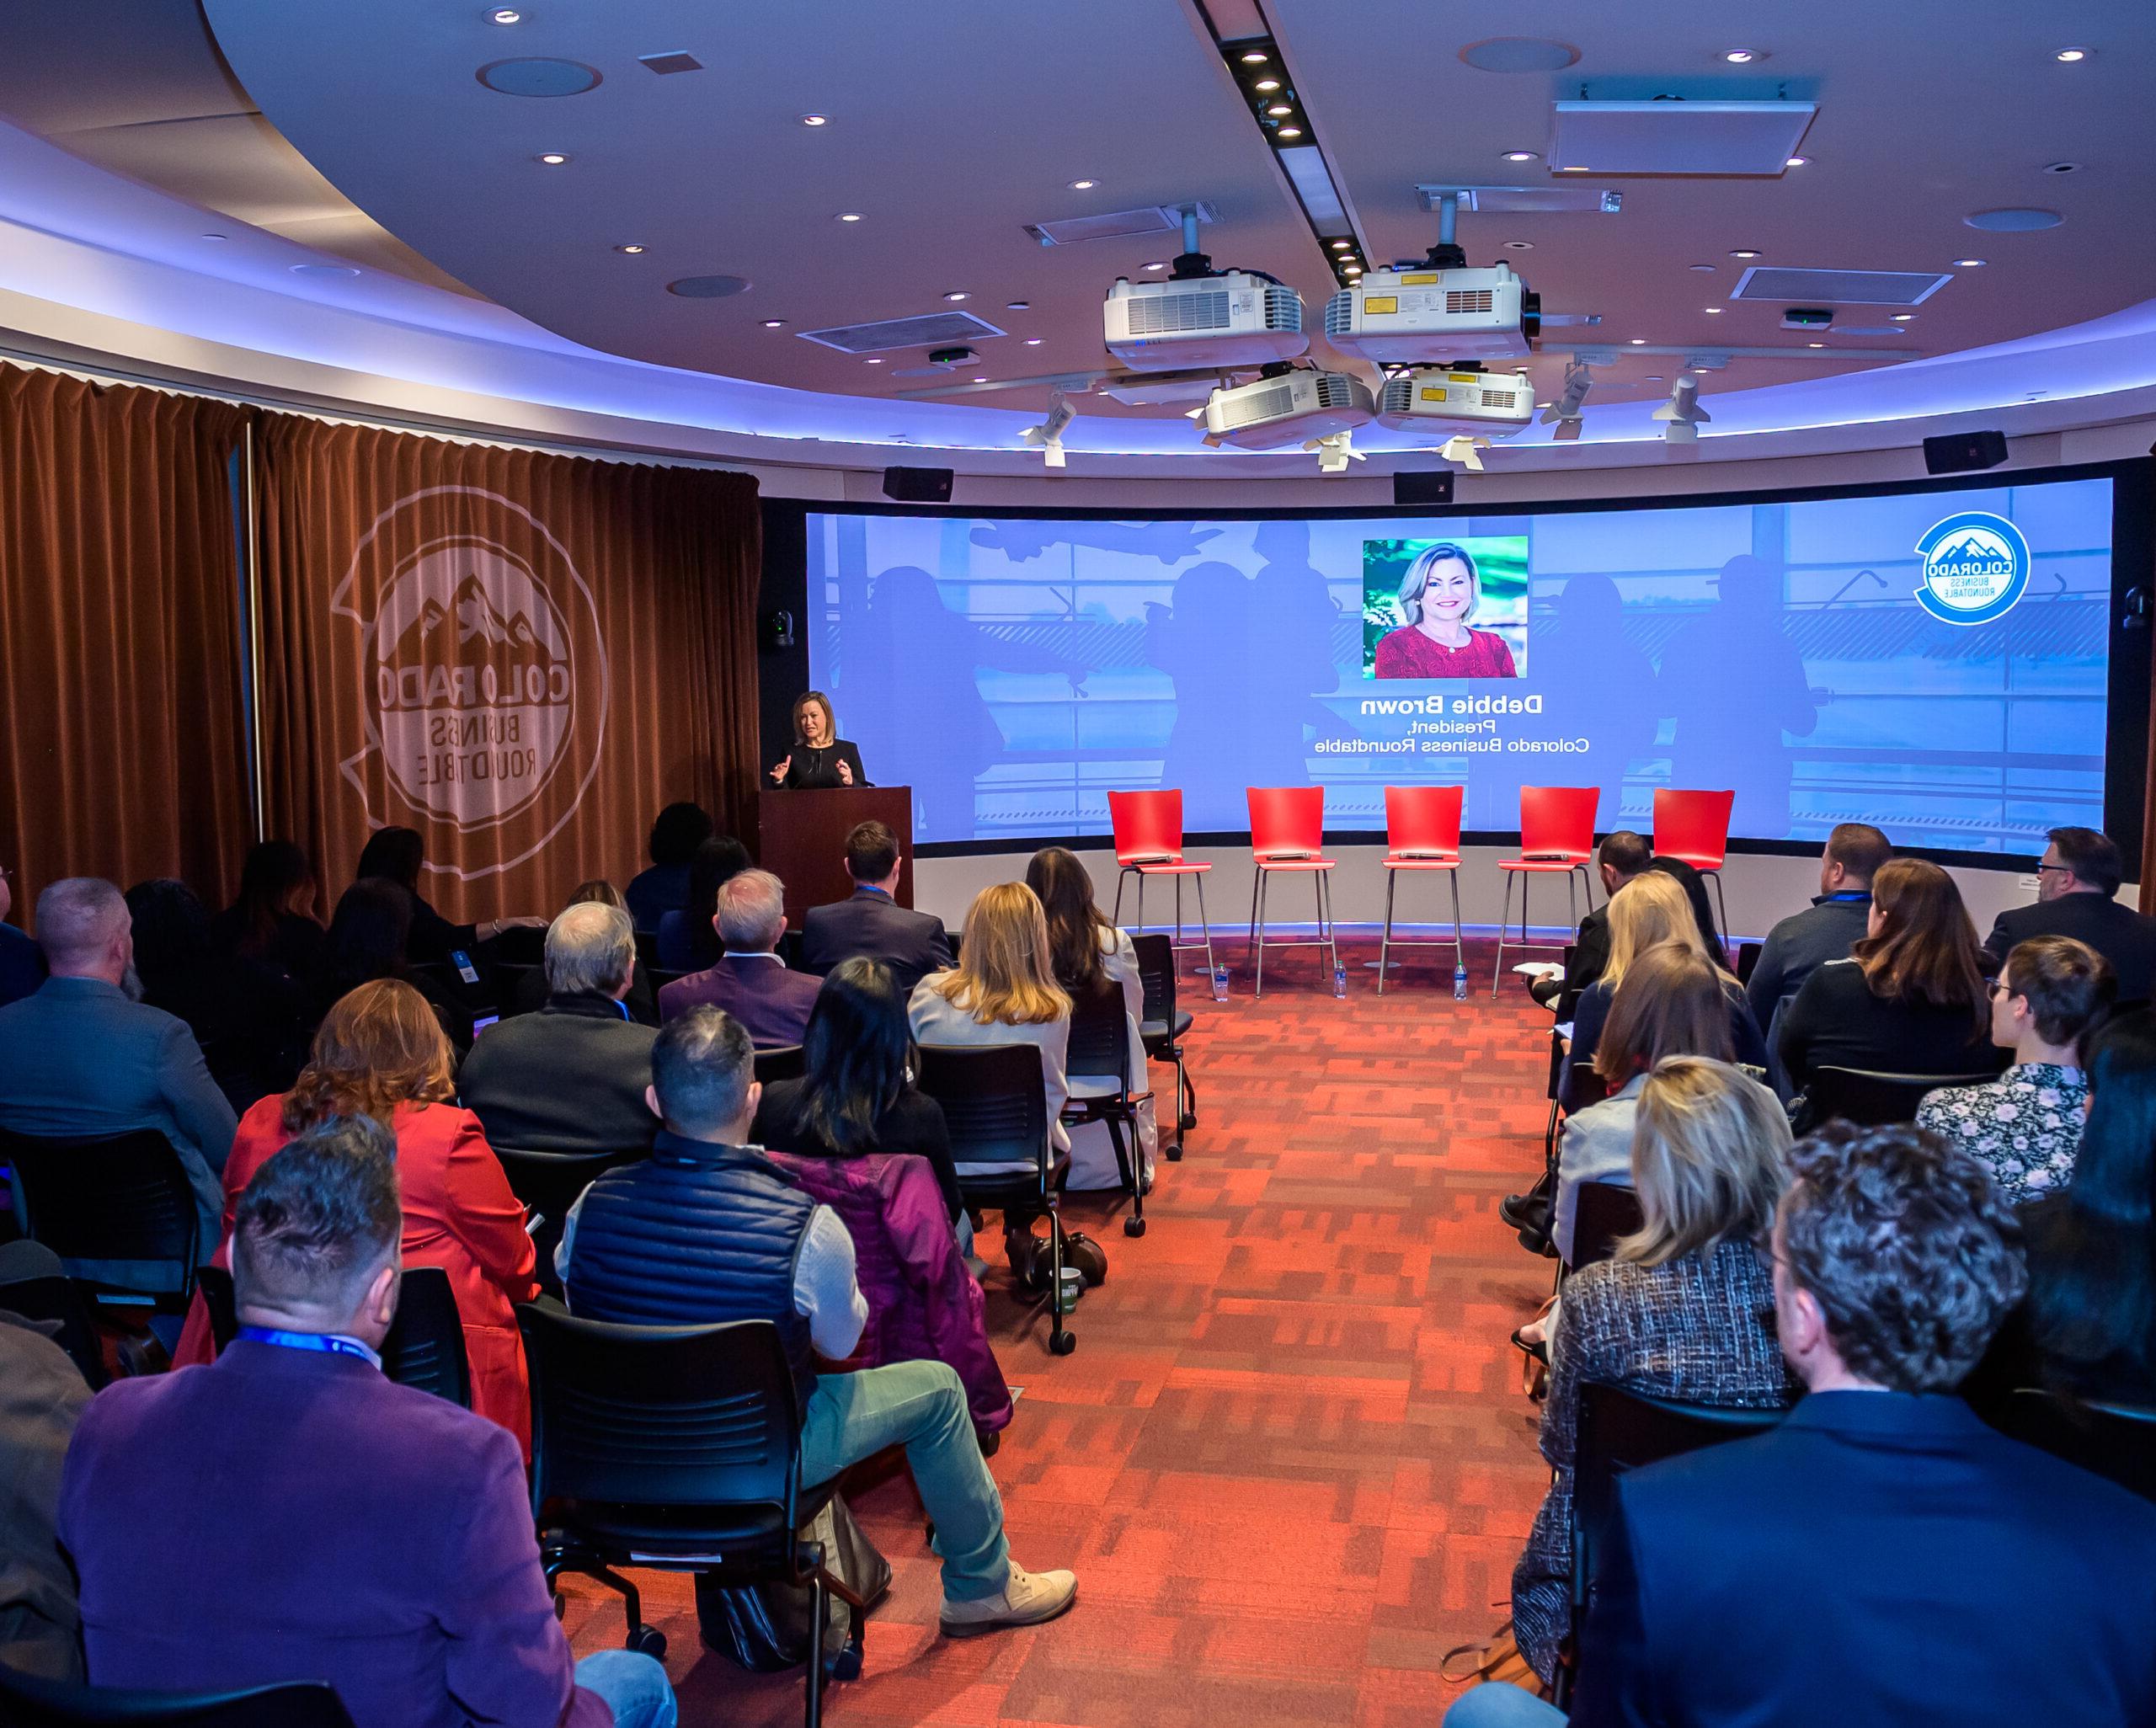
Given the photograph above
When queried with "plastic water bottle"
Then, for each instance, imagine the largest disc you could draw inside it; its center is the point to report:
(1459, 981)
(1219, 983)
(1339, 980)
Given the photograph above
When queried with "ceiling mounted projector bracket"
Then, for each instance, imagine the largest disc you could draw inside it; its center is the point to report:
(1448, 254)
(1190, 262)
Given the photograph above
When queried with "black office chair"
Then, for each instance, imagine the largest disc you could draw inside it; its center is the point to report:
(995, 1103)
(780, 1062)
(522, 990)
(661, 976)
(1748, 960)
(672, 1446)
(519, 945)
(1099, 1052)
(1603, 1214)
(548, 1184)
(27, 1702)
(1617, 1431)
(221, 1305)
(647, 949)
(1162, 1025)
(119, 1199)
(425, 1345)
(1871, 1099)
(59, 1301)
(2114, 1441)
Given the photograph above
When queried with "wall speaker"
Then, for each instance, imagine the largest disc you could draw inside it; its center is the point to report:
(1960, 452)
(1435, 488)
(918, 485)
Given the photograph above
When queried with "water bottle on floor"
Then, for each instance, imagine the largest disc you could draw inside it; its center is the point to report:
(1339, 979)
(1460, 981)
(1219, 983)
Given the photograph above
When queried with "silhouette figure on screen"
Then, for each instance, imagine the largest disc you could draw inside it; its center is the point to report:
(1585, 662)
(910, 689)
(1736, 685)
(1290, 660)
(1202, 640)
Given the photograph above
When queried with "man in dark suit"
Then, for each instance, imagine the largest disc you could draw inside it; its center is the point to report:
(750, 982)
(871, 925)
(22, 962)
(85, 1057)
(328, 1524)
(1620, 857)
(1882, 1559)
(570, 1078)
(1826, 930)
(2078, 874)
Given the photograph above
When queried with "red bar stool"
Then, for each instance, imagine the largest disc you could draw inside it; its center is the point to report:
(1149, 842)
(1421, 832)
(1557, 834)
(1694, 826)
(1287, 827)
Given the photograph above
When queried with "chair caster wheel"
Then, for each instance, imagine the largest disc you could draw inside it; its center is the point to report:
(1187, 1121)
(847, 1664)
(1062, 1343)
(1134, 1227)
(1173, 1154)
(648, 1641)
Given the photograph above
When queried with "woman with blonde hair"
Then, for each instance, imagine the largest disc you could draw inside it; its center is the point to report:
(1684, 1310)
(382, 1053)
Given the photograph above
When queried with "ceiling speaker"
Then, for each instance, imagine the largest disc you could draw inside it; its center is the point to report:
(918, 485)
(1432, 488)
(1959, 452)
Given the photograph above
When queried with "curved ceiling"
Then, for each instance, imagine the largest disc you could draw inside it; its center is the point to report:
(952, 126)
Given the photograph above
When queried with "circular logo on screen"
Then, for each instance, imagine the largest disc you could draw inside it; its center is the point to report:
(485, 670)
(1976, 566)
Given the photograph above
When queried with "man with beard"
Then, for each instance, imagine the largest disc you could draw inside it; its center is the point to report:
(87, 1059)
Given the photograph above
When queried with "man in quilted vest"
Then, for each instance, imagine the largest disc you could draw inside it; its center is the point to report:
(707, 1230)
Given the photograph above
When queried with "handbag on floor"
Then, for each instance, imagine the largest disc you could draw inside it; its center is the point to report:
(765, 1628)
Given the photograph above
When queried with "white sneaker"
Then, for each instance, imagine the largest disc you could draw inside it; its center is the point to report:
(1027, 1599)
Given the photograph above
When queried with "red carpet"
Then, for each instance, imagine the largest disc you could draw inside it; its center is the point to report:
(1289, 1459)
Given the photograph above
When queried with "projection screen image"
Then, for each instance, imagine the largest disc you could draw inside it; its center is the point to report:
(1932, 662)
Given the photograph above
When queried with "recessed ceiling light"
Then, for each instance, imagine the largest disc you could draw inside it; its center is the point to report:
(1520, 156)
(1157, 264)
(1903, 317)
(1291, 132)
(1655, 378)
(1343, 246)
(1709, 268)
(1745, 252)
(1280, 110)
(1796, 162)
(631, 250)
(554, 158)
(1571, 170)
(2068, 57)
(1353, 269)
(849, 216)
(815, 120)
(1018, 306)
(1519, 246)
(2062, 168)
(872, 361)
(1083, 185)
(1033, 342)
(1265, 86)
(216, 236)
(1968, 263)
(1744, 56)
(1713, 309)
(1815, 344)
(1639, 342)
(956, 294)
(1542, 404)
(980, 381)
(1254, 58)
(774, 323)
(503, 15)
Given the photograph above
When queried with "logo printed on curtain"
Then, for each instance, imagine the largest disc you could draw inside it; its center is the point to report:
(485, 696)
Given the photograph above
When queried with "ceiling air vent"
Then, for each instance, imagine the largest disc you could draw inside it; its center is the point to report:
(932, 330)
(1795, 287)
(1116, 225)
(677, 61)
(1676, 137)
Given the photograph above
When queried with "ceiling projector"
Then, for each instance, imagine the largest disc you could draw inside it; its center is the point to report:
(1290, 406)
(1433, 400)
(1423, 312)
(1224, 318)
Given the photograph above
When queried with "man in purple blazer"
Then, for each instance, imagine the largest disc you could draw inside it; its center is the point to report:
(750, 982)
(287, 1514)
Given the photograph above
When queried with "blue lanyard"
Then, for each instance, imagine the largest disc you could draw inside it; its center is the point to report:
(325, 1343)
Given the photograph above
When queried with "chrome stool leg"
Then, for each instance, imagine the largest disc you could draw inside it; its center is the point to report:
(1258, 925)
(1385, 940)
(1204, 927)
(1504, 917)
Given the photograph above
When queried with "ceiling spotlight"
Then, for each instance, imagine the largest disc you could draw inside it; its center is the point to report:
(1520, 156)
(1254, 58)
(503, 15)
(1639, 342)
(1682, 414)
(1343, 245)
(1157, 264)
(1048, 437)
(980, 381)
(630, 251)
(1033, 342)
(872, 361)
(1083, 185)
(1968, 263)
(1903, 317)
(1745, 252)
(774, 323)
(1291, 132)
(2068, 57)
(956, 294)
(1265, 86)
(1353, 269)
(1280, 110)
(815, 120)
(1796, 162)
(1519, 246)
(1743, 57)
(1565, 415)
(554, 158)
(1815, 344)
(849, 216)
(1713, 309)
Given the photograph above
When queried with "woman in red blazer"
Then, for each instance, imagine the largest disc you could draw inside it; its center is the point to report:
(381, 1052)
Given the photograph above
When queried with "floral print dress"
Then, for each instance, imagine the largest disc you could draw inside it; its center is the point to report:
(2025, 1126)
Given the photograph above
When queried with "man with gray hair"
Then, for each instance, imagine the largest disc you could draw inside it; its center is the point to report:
(391, 1529)
(572, 1077)
(707, 1230)
(750, 982)
(83, 1057)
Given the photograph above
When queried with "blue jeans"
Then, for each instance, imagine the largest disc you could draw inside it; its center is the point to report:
(1494, 1704)
(634, 1687)
(920, 1405)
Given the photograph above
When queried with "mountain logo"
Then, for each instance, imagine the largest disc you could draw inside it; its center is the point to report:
(485, 677)
(1976, 566)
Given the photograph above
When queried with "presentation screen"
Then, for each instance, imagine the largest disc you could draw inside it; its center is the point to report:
(1932, 661)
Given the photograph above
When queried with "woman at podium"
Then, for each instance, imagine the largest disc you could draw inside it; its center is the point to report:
(819, 758)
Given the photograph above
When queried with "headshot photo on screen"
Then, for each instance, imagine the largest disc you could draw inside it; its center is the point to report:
(1446, 608)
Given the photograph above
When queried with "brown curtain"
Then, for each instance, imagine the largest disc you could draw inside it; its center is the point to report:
(522, 656)
(122, 736)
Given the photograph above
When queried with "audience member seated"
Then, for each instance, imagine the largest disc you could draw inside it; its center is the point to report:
(856, 1094)
(707, 1230)
(398, 855)
(1086, 952)
(1622, 855)
(1835, 922)
(749, 980)
(530, 993)
(273, 921)
(286, 1513)
(1687, 877)
(2025, 1126)
(381, 1053)
(1910, 1000)
(87, 1059)
(369, 939)
(22, 962)
(1001, 992)
(1881, 1559)
(1686, 1309)
(42, 1396)
(572, 1077)
(249, 1015)
(680, 828)
(688, 937)
(872, 926)
(2076, 880)
(1672, 1002)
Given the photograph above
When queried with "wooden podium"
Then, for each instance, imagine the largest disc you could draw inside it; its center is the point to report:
(800, 839)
